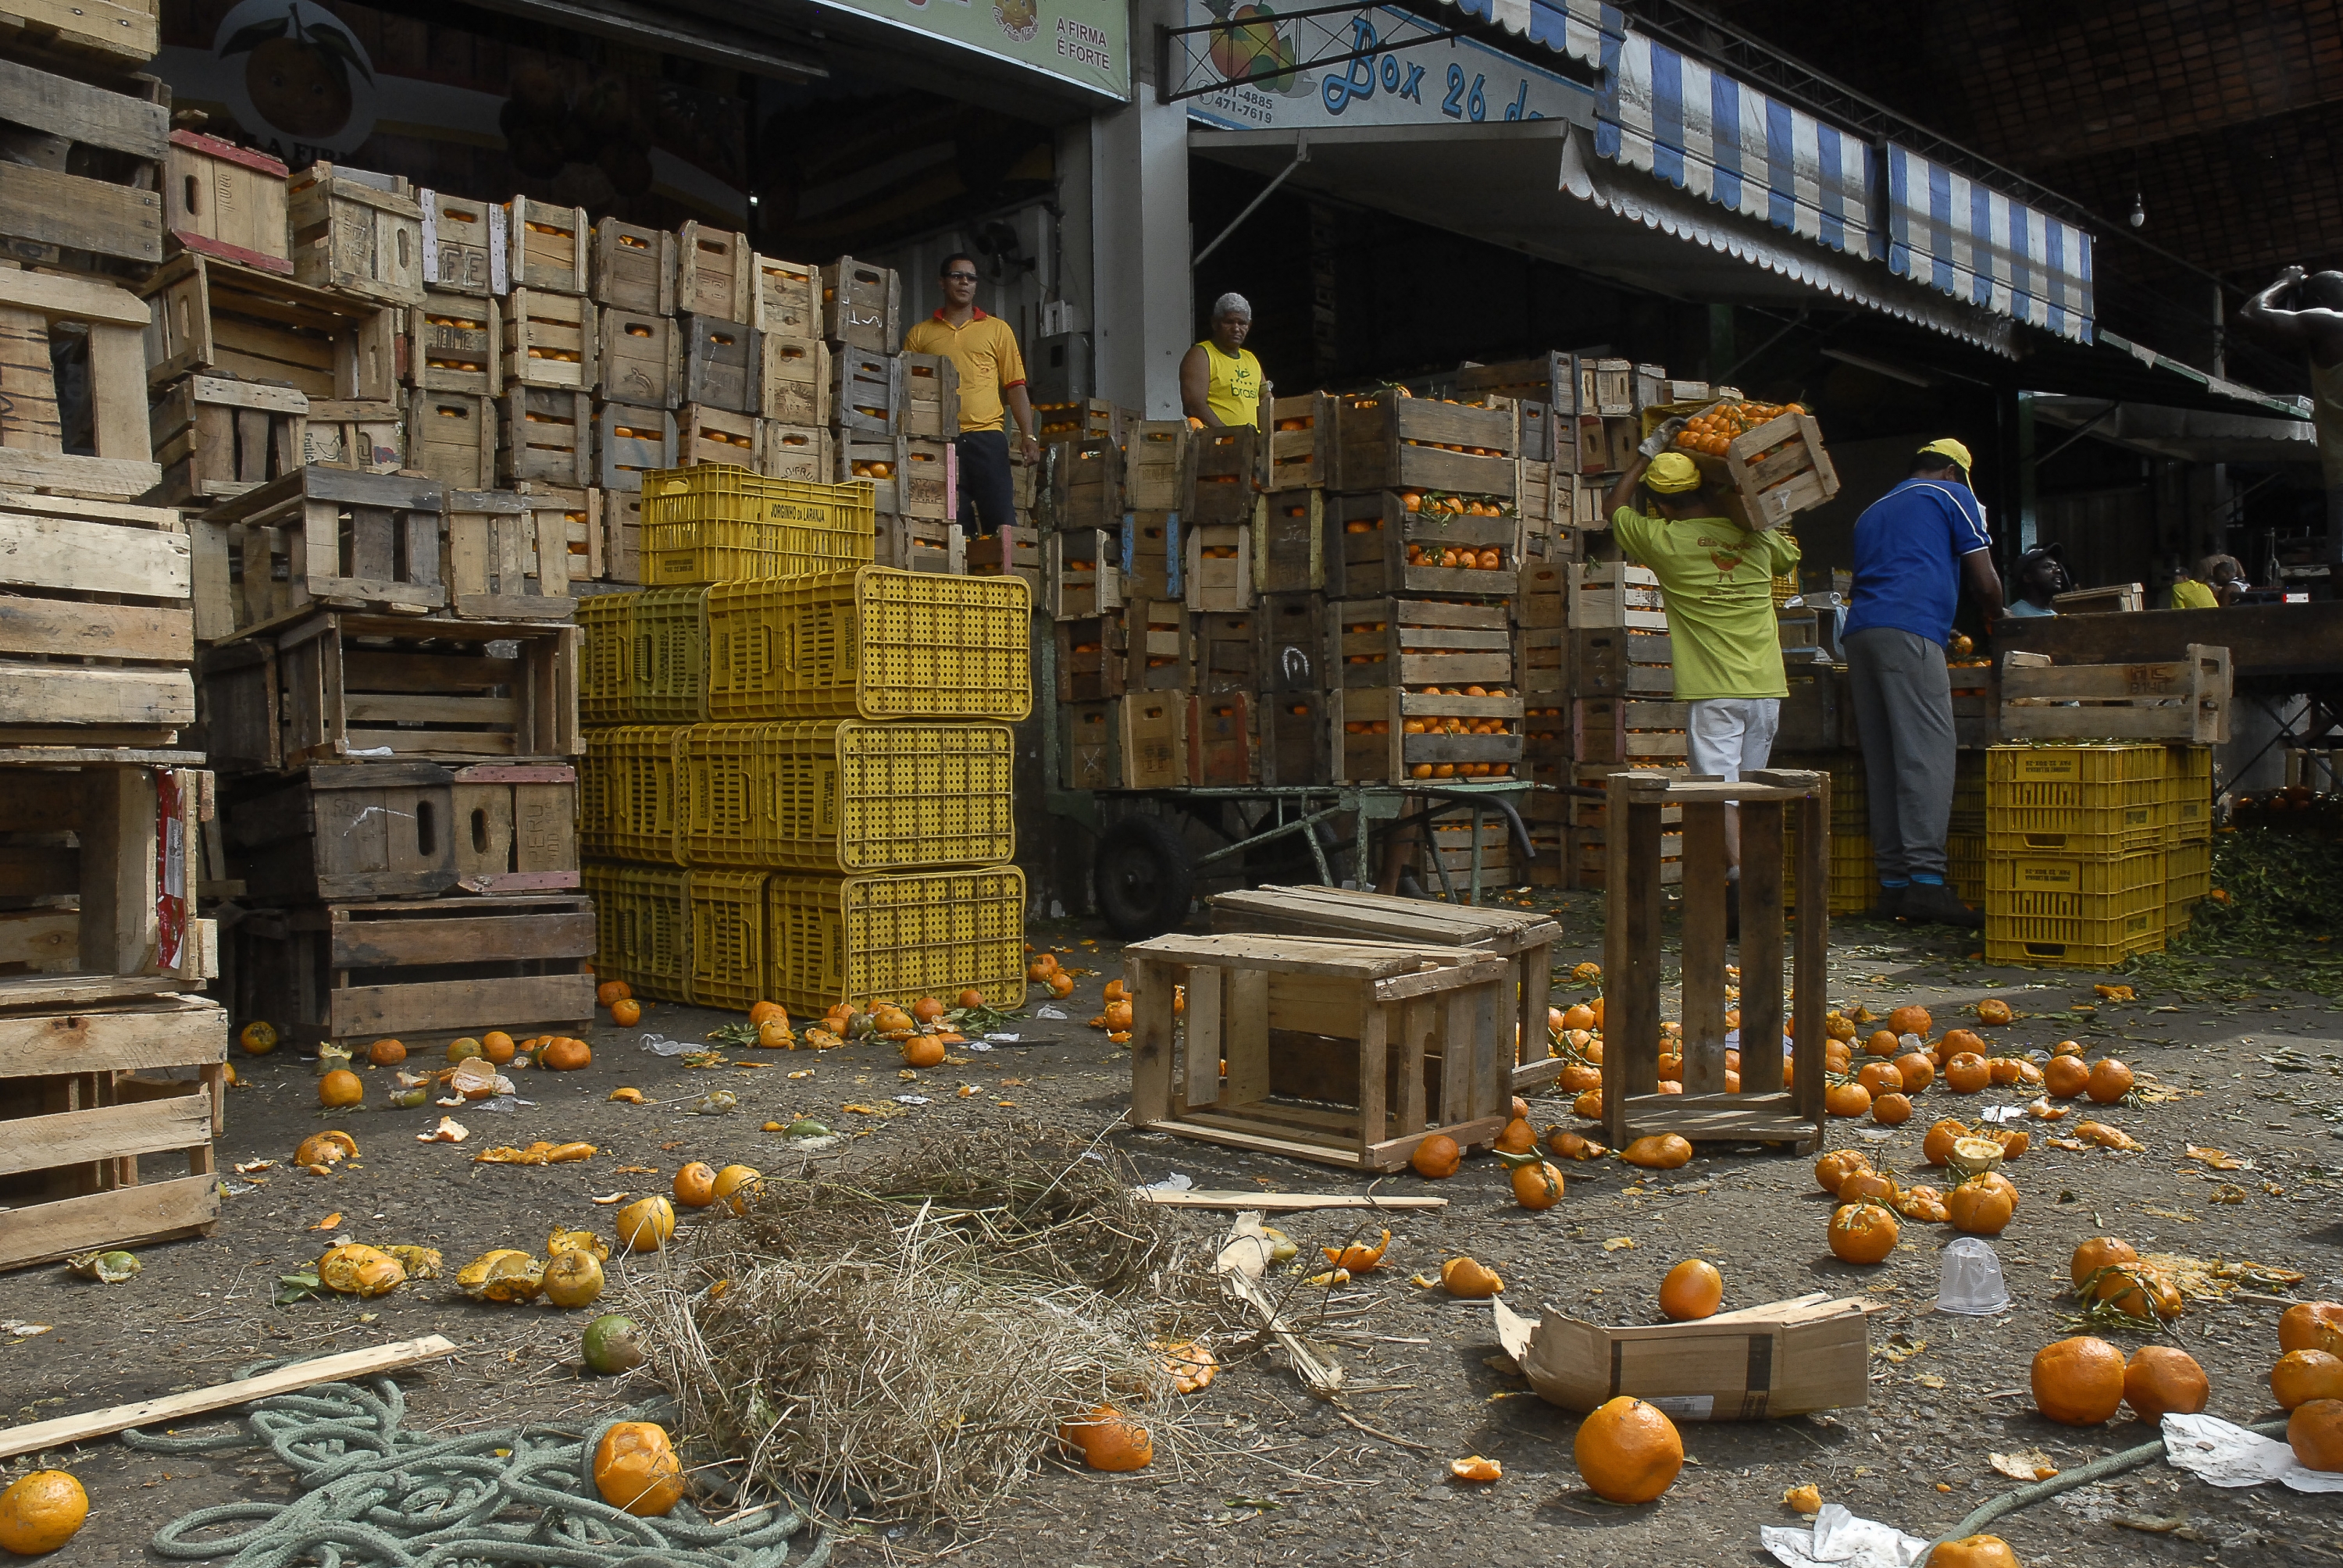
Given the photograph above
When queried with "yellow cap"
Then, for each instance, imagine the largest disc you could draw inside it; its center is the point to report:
(1671, 473)
(1948, 447)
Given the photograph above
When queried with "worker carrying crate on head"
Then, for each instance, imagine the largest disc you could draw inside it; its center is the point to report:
(1222, 386)
(991, 369)
(1716, 580)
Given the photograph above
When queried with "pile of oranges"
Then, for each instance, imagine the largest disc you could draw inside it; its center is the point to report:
(872, 470)
(1488, 559)
(1712, 430)
(1438, 501)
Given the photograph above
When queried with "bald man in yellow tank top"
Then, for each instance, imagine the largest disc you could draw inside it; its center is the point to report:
(1221, 382)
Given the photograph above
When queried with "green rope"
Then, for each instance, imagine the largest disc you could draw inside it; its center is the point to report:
(375, 1495)
(2067, 1480)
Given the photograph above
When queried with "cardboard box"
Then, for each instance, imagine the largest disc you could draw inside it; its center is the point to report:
(1784, 1358)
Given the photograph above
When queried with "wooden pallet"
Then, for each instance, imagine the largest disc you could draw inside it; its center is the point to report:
(83, 1099)
(634, 268)
(1343, 1053)
(112, 913)
(455, 344)
(44, 319)
(463, 249)
(547, 437)
(358, 233)
(215, 438)
(96, 634)
(715, 272)
(241, 322)
(548, 247)
(420, 970)
(861, 306)
(225, 201)
(641, 358)
(2183, 702)
(344, 831)
(630, 443)
(64, 134)
(340, 687)
(318, 536)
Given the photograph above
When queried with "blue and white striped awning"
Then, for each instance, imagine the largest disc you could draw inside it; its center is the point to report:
(1573, 27)
(1945, 230)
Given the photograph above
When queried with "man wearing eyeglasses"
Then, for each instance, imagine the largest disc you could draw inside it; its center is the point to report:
(992, 390)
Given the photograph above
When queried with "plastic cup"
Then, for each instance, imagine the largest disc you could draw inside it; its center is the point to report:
(1971, 1284)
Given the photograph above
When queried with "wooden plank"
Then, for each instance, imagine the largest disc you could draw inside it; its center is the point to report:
(1151, 1024)
(1703, 948)
(81, 113)
(71, 1429)
(127, 1217)
(70, 553)
(423, 1006)
(49, 206)
(1810, 961)
(104, 1132)
(87, 694)
(471, 939)
(1245, 1035)
(1202, 1043)
(1374, 1029)
(1279, 1202)
(1761, 947)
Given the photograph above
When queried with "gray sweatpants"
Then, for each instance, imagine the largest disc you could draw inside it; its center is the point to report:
(1904, 718)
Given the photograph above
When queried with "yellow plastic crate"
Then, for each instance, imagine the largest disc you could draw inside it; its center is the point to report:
(715, 522)
(1964, 858)
(2073, 910)
(1969, 794)
(2187, 879)
(875, 643)
(1854, 874)
(844, 794)
(936, 933)
(642, 927)
(667, 672)
(2188, 793)
(606, 625)
(629, 795)
(728, 938)
(2094, 800)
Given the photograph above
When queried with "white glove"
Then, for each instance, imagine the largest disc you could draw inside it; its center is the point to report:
(1663, 437)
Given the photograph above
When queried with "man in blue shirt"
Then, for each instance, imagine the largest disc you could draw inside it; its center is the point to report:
(1912, 548)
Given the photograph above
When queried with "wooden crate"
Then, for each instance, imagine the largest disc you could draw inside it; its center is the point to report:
(46, 320)
(1221, 739)
(721, 363)
(1223, 473)
(1084, 574)
(1152, 560)
(319, 536)
(1542, 662)
(516, 827)
(787, 299)
(115, 34)
(630, 443)
(1084, 419)
(1291, 627)
(1618, 662)
(1388, 442)
(2183, 701)
(365, 437)
(225, 201)
(1219, 574)
(337, 687)
(1762, 1107)
(1550, 379)
(1291, 726)
(548, 437)
(420, 971)
(1157, 646)
(1375, 544)
(347, 830)
(1151, 740)
(804, 452)
(548, 247)
(1615, 596)
(2112, 598)
(1300, 453)
(914, 479)
(930, 397)
(506, 556)
(640, 358)
(549, 340)
(455, 344)
(1412, 643)
(861, 306)
(452, 438)
(358, 233)
(97, 634)
(1090, 742)
(920, 545)
(98, 867)
(216, 439)
(715, 272)
(1224, 651)
(207, 315)
(1155, 466)
(463, 248)
(66, 134)
(1013, 551)
(582, 527)
(1366, 728)
(706, 434)
(1085, 483)
(1629, 732)
(866, 394)
(620, 515)
(1289, 542)
(1093, 655)
(634, 268)
(1343, 1053)
(793, 387)
(1770, 474)
(82, 1099)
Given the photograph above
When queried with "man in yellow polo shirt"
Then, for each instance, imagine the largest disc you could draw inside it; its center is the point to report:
(1221, 384)
(991, 389)
(1716, 580)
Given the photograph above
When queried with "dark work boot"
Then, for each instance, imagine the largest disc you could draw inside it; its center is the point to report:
(1933, 903)
(1733, 911)
(1889, 904)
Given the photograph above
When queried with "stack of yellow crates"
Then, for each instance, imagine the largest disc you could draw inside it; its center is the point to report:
(2077, 853)
(798, 784)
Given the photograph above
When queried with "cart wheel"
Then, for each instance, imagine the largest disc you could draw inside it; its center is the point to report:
(1141, 878)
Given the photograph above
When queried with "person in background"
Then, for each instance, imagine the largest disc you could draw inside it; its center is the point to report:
(2310, 323)
(2217, 582)
(1913, 547)
(992, 390)
(1222, 386)
(1716, 577)
(2041, 576)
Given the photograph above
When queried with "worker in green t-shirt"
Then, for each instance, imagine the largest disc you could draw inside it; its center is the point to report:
(1717, 578)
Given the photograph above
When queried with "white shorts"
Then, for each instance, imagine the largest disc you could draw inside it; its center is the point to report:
(1727, 737)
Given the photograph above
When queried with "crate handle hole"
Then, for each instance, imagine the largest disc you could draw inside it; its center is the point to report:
(427, 831)
(479, 830)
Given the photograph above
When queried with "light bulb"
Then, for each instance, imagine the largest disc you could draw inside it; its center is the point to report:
(2138, 212)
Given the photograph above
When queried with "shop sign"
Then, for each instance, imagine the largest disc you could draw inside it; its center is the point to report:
(1394, 81)
(1086, 41)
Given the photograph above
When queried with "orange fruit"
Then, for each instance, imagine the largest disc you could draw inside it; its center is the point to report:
(1978, 1208)
(1879, 1078)
(2312, 1326)
(626, 1012)
(1578, 1015)
(565, 1054)
(1469, 1280)
(645, 1224)
(2110, 1080)
(1966, 1073)
(2079, 1381)
(735, 1183)
(971, 998)
(1994, 1012)
(1957, 1041)
(2315, 1432)
(40, 1512)
(2298, 1377)
(386, 1053)
(1883, 1042)
(1971, 1552)
(1862, 1233)
(695, 1185)
(1536, 1184)
(1846, 1098)
(923, 1051)
(1891, 1110)
(1628, 1452)
(258, 1037)
(498, 1046)
(611, 990)
(758, 1012)
(1911, 1019)
(1693, 1289)
(1868, 1186)
(2099, 1251)
(1939, 1144)
(1836, 1166)
(2159, 1380)
(2066, 1077)
(1589, 1104)
(1516, 1139)
(1658, 1151)
(339, 1087)
(1436, 1157)
(1918, 1068)
(636, 1469)
(1108, 1441)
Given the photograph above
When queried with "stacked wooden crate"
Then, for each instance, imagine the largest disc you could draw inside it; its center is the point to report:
(111, 1068)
